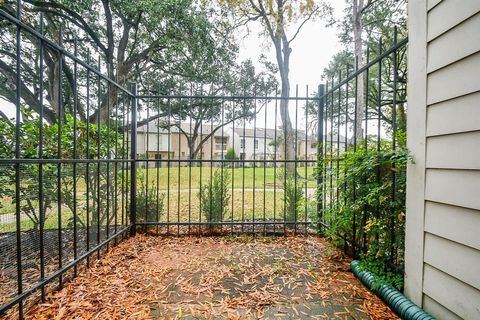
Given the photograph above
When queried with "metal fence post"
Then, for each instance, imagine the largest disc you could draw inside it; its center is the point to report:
(133, 164)
(321, 105)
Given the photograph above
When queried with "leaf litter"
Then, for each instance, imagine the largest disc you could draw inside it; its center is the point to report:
(233, 277)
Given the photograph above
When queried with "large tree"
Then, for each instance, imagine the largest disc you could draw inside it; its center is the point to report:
(281, 21)
(131, 38)
(378, 21)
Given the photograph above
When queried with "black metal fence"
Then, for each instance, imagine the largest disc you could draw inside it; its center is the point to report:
(85, 161)
(221, 164)
(363, 155)
(64, 162)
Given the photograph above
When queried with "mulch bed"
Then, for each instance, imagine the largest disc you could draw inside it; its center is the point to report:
(235, 277)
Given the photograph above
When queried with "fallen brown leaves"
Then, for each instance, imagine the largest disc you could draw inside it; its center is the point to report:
(215, 277)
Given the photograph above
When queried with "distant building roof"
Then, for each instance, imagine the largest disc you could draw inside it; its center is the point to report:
(203, 129)
(258, 132)
(151, 127)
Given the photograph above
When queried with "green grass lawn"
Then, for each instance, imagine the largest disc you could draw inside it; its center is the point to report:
(247, 203)
(242, 178)
(185, 206)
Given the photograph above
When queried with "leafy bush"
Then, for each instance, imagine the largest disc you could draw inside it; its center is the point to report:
(293, 196)
(370, 194)
(215, 197)
(29, 138)
(150, 202)
(383, 271)
(231, 155)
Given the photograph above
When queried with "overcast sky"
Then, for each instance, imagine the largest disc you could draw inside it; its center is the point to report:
(311, 50)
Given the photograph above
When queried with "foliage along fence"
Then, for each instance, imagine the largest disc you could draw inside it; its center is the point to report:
(362, 169)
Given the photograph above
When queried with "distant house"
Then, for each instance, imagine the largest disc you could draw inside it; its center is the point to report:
(336, 142)
(307, 148)
(214, 147)
(254, 144)
(249, 144)
(153, 143)
(161, 143)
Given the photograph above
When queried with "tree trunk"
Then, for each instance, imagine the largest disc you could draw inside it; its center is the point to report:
(358, 51)
(287, 151)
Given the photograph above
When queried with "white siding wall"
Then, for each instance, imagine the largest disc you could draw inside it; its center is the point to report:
(443, 195)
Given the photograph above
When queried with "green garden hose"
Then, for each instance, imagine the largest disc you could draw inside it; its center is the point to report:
(402, 306)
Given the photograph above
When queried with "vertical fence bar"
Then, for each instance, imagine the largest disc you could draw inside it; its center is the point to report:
(146, 164)
(41, 209)
(99, 139)
(115, 169)
(306, 159)
(158, 163)
(339, 105)
(169, 106)
(222, 164)
(394, 142)
(265, 162)
(330, 173)
(234, 164)
(285, 156)
(346, 142)
(365, 212)
(87, 166)
(126, 104)
(133, 162)
(108, 158)
(255, 146)
(201, 173)
(75, 157)
(379, 126)
(190, 161)
(18, 94)
(244, 139)
(324, 146)
(355, 128)
(321, 105)
(212, 141)
(275, 165)
(59, 156)
(179, 165)
(295, 208)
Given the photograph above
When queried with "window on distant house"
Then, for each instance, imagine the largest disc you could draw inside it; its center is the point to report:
(242, 143)
(242, 156)
(313, 145)
(255, 144)
(221, 143)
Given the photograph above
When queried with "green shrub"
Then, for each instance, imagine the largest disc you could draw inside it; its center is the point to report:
(215, 197)
(150, 202)
(293, 196)
(231, 155)
(370, 193)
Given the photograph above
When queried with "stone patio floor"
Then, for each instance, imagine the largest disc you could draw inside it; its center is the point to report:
(224, 277)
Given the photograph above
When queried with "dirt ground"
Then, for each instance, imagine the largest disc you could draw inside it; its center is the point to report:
(237, 277)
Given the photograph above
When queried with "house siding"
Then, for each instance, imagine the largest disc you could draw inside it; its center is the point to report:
(443, 195)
